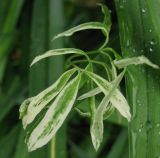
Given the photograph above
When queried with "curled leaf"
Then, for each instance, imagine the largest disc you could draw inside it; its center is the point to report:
(106, 13)
(134, 61)
(56, 52)
(85, 26)
(83, 114)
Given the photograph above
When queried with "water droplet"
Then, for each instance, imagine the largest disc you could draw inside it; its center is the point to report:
(157, 125)
(150, 30)
(159, 132)
(152, 42)
(143, 10)
(150, 49)
(140, 130)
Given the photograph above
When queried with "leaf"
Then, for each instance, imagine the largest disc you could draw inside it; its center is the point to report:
(134, 61)
(55, 116)
(96, 130)
(97, 124)
(85, 26)
(83, 114)
(89, 94)
(55, 52)
(107, 18)
(108, 111)
(32, 106)
(117, 100)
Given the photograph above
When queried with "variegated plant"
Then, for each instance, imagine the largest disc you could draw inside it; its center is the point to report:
(43, 114)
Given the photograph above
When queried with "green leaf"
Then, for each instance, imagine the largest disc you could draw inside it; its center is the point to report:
(96, 130)
(117, 99)
(108, 111)
(134, 61)
(97, 124)
(56, 52)
(107, 18)
(32, 106)
(83, 114)
(89, 94)
(55, 116)
(85, 26)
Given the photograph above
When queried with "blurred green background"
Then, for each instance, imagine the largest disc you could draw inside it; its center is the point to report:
(26, 30)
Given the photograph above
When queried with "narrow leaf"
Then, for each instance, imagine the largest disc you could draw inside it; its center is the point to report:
(97, 125)
(55, 116)
(32, 106)
(106, 13)
(83, 114)
(109, 110)
(89, 94)
(96, 130)
(134, 61)
(117, 99)
(85, 26)
(56, 52)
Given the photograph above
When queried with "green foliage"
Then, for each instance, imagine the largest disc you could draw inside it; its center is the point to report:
(32, 106)
(55, 115)
(56, 110)
(27, 28)
(139, 32)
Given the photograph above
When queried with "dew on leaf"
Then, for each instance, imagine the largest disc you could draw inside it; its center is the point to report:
(140, 130)
(143, 10)
(150, 49)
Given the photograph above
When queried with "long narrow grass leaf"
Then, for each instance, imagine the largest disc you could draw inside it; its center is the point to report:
(56, 52)
(85, 26)
(97, 124)
(32, 106)
(55, 116)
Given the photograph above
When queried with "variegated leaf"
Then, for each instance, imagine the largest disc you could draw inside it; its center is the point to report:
(56, 52)
(117, 99)
(106, 13)
(89, 94)
(97, 124)
(55, 116)
(31, 107)
(134, 61)
(85, 26)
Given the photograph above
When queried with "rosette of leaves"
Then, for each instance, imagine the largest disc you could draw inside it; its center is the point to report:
(43, 114)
